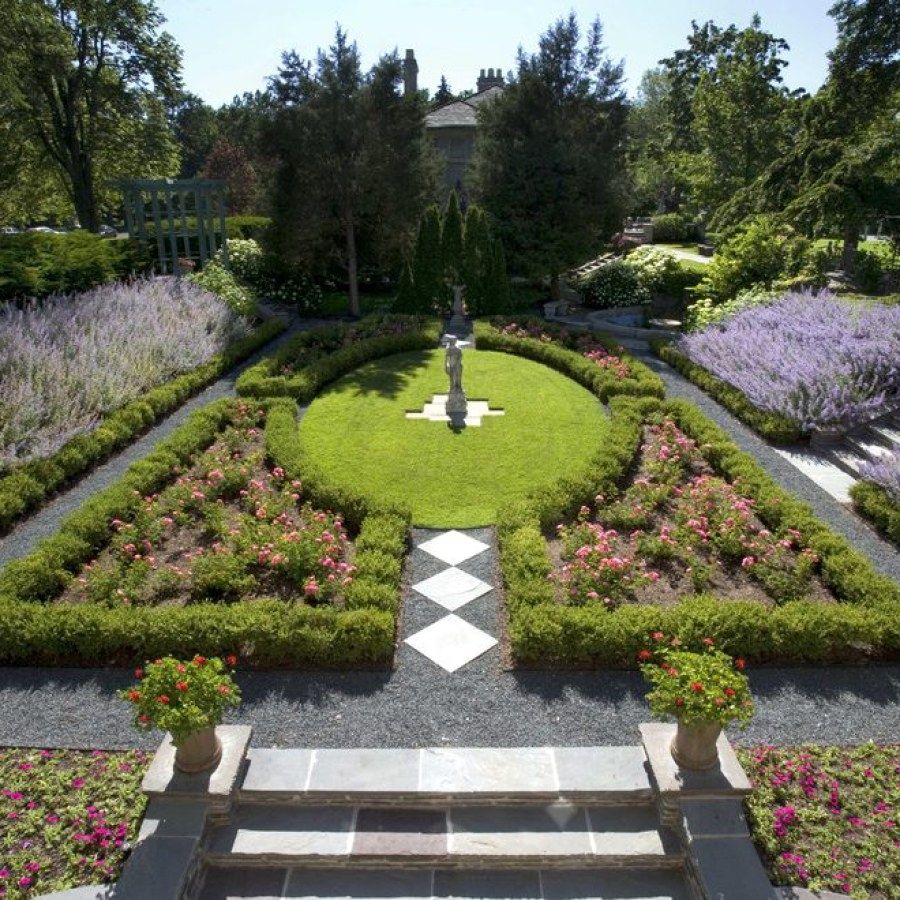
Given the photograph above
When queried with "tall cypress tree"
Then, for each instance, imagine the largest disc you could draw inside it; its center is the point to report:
(476, 259)
(501, 299)
(452, 241)
(407, 300)
(427, 265)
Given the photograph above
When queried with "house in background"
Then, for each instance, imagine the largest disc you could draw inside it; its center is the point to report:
(452, 126)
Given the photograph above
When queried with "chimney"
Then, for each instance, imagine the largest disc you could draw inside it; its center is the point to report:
(410, 74)
(494, 78)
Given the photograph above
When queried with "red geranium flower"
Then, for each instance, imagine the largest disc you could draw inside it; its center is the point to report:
(657, 636)
(729, 692)
(162, 698)
(644, 655)
(697, 687)
(224, 689)
(679, 701)
(199, 660)
(231, 660)
(740, 663)
(181, 685)
(708, 641)
(138, 673)
(134, 695)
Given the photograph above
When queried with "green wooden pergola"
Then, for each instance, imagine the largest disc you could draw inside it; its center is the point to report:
(184, 218)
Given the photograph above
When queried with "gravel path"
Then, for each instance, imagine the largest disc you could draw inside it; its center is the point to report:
(25, 536)
(78, 708)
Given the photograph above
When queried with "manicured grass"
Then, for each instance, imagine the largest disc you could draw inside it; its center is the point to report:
(358, 435)
(826, 817)
(66, 817)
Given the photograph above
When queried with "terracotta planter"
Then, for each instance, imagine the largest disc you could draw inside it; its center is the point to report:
(200, 751)
(694, 745)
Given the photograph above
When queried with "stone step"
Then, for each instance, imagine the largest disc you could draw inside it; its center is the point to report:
(363, 884)
(554, 835)
(868, 444)
(844, 457)
(447, 776)
(888, 433)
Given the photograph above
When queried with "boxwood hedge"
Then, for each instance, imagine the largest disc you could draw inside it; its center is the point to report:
(865, 624)
(874, 503)
(36, 631)
(27, 486)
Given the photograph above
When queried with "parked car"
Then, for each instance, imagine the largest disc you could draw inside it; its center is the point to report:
(9, 229)
(43, 229)
(107, 231)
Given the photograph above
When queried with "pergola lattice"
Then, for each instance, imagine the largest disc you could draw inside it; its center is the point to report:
(187, 218)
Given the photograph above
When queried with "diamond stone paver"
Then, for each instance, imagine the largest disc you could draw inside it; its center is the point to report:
(452, 588)
(451, 642)
(453, 547)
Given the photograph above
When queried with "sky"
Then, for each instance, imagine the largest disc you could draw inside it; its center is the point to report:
(232, 46)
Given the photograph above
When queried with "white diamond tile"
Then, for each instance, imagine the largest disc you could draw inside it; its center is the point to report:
(451, 642)
(452, 588)
(453, 547)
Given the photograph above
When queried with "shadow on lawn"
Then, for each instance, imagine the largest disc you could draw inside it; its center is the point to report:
(387, 377)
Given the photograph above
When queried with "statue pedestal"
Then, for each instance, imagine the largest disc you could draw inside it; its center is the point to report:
(456, 403)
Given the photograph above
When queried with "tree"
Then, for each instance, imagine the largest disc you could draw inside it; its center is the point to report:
(90, 82)
(452, 241)
(549, 163)
(842, 169)
(354, 168)
(231, 163)
(196, 129)
(427, 267)
(407, 300)
(443, 93)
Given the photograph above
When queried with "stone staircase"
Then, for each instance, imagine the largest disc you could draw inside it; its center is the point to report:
(865, 443)
(583, 823)
(533, 822)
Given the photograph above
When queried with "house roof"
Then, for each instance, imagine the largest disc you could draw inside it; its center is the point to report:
(461, 113)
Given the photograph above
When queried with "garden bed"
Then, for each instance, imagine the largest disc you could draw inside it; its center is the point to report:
(825, 818)
(215, 543)
(699, 543)
(67, 817)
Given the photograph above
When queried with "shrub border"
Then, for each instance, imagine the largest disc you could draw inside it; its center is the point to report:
(875, 505)
(865, 624)
(772, 426)
(34, 631)
(643, 382)
(258, 381)
(24, 488)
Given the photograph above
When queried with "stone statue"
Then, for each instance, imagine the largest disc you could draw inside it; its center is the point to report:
(456, 401)
(453, 363)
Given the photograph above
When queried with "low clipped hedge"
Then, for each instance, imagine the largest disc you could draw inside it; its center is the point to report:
(864, 625)
(27, 486)
(772, 426)
(876, 505)
(642, 383)
(36, 264)
(263, 380)
(267, 633)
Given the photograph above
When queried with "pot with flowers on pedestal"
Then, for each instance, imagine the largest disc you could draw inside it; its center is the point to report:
(187, 698)
(703, 691)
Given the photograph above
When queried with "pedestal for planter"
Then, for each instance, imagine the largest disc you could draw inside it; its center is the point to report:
(199, 752)
(694, 746)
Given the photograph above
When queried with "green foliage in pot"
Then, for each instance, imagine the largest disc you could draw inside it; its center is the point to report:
(183, 697)
(695, 687)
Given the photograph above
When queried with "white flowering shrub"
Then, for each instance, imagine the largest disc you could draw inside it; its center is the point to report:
(654, 267)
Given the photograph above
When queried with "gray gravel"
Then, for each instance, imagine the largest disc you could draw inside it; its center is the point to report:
(46, 520)
(407, 708)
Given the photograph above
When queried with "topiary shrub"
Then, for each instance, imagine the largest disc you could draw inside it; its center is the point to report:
(672, 228)
(614, 285)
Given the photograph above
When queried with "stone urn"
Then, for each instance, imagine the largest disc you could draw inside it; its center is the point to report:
(694, 745)
(199, 751)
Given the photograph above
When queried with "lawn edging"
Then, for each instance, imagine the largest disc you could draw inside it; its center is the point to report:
(268, 633)
(864, 625)
(877, 506)
(24, 488)
(772, 426)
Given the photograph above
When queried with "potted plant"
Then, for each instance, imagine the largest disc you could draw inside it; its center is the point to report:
(703, 691)
(187, 699)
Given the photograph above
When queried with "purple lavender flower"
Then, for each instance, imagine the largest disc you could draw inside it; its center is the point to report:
(884, 471)
(67, 360)
(820, 361)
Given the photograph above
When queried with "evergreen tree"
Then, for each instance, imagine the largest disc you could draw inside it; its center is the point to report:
(443, 94)
(500, 300)
(549, 160)
(407, 300)
(452, 241)
(427, 267)
(475, 259)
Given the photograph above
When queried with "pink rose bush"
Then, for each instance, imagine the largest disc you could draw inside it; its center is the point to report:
(66, 817)
(826, 818)
(227, 528)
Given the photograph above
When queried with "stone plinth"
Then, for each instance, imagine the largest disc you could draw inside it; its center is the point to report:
(438, 410)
